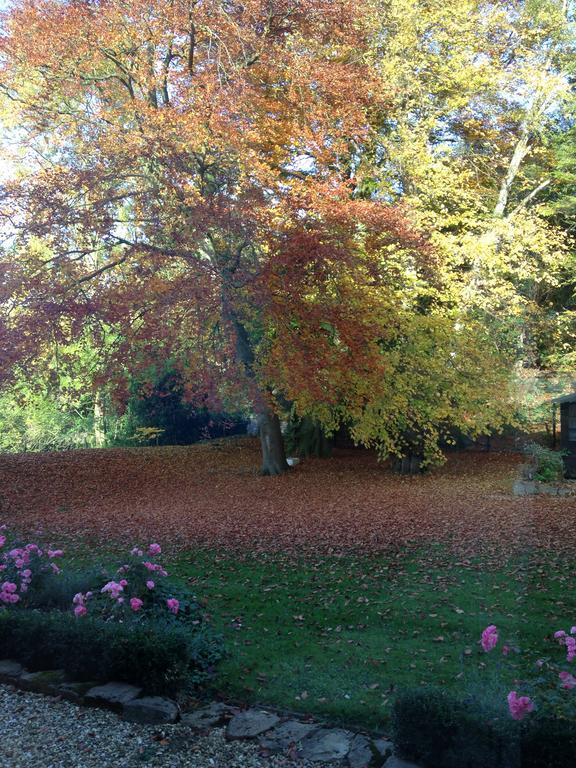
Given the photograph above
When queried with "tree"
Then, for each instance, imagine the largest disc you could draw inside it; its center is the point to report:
(177, 153)
(479, 88)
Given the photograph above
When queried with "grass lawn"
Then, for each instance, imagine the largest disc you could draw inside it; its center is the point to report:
(336, 637)
(335, 585)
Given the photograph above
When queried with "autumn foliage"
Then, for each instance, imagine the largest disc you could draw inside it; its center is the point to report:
(188, 191)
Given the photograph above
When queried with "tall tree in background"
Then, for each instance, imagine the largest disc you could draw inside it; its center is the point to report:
(479, 88)
(222, 184)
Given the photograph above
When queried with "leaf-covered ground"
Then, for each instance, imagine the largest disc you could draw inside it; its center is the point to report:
(211, 495)
(335, 585)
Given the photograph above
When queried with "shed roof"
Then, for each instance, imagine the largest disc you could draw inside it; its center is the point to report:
(571, 398)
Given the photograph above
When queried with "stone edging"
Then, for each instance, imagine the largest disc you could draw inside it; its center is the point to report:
(276, 734)
(525, 485)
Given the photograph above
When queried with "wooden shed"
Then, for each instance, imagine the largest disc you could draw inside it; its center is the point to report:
(567, 407)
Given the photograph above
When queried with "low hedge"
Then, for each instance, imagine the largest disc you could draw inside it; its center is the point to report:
(438, 730)
(161, 657)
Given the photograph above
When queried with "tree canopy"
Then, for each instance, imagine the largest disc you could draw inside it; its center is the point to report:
(319, 204)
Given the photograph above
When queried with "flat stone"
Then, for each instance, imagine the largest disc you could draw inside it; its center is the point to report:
(363, 753)
(286, 735)
(209, 717)
(384, 747)
(151, 709)
(396, 762)
(112, 695)
(249, 724)
(10, 671)
(73, 691)
(524, 488)
(42, 682)
(326, 744)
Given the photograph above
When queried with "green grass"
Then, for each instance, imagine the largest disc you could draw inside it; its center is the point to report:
(336, 637)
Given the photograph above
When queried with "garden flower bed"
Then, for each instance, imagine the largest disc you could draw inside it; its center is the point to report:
(131, 625)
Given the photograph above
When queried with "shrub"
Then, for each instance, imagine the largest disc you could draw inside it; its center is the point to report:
(163, 658)
(549, 741)
(438, 730)
(57, 591)
(441, 731)
(137, 627)
(549, 464)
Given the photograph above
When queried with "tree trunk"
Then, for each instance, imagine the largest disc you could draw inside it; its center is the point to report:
(272, 442)
(271, 439)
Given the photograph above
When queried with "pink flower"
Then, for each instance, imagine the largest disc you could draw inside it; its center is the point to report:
(568, 680)
(123, 583)
(27, 573)
(55, 553)
(573, 630)
(19, 563)
(154, 549)
(55, 568)
(519, 706)
(136, 603)
(173, 605)
(80, 610)
(505, 650)
(78, 599)
(113, 588)
(489, 638)
(559, 635)
(570, 648)
(9, 586)
(9, 597)
(150, 584)
(136, 552)
(2, 540)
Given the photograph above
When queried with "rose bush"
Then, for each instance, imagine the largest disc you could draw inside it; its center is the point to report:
(130, 622)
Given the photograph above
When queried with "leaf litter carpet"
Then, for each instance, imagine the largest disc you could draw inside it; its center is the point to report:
(211, 495)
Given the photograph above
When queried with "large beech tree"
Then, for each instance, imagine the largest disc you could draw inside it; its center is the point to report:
(186, 177)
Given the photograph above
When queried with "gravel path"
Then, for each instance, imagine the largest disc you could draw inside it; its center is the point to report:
(43, 732)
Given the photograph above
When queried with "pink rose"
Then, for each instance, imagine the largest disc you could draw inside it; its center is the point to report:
(80, 610)
(568, 680)
(9, 586)
(55, 553)
(123, 583)
(173, 605)
(519, 706)
(136, 603)
(150, 584)
(154, 549)
(559, 635)
(136, 552)
(489, 638)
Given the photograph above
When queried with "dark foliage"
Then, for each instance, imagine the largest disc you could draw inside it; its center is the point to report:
(440, 731)
(162, 657)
